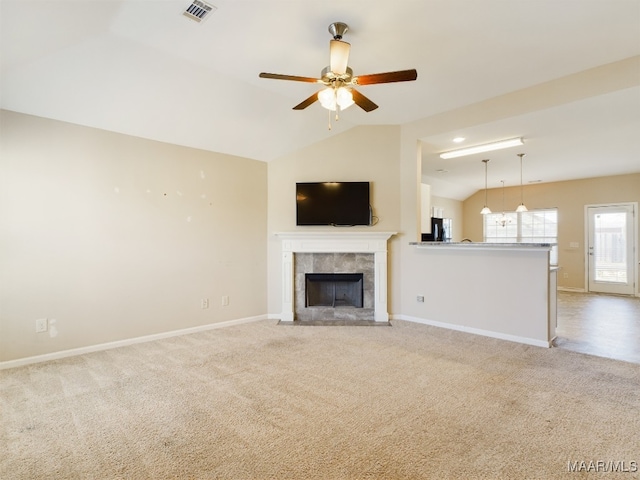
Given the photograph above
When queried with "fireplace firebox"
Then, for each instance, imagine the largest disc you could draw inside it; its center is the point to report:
(334, 290)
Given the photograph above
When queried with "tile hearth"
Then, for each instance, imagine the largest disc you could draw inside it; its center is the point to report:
(337, 323)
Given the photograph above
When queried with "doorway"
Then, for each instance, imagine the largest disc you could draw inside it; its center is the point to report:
(610, 248)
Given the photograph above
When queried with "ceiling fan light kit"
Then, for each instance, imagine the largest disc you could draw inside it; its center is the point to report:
(487, 147)
(331, 98)
(338, 79)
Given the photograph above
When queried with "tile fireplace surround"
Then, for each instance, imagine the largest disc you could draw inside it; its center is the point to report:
(374, 243)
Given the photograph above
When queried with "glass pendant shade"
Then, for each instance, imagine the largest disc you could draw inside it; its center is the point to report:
(344, 98)
(327, 98)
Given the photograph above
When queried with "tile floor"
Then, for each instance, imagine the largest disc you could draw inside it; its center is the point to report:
(601, 325)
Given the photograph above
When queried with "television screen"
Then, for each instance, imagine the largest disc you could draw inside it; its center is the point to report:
(333, 203)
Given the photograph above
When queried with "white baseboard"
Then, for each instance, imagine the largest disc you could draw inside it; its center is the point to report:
(186, 331)
(475, 331)
(123, 343)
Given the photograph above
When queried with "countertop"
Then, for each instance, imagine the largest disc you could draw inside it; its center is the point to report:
(483, 245)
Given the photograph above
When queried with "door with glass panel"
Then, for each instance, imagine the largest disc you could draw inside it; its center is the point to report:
(610, 249)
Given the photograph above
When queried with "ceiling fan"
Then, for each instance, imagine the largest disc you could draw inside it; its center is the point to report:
(339, 92)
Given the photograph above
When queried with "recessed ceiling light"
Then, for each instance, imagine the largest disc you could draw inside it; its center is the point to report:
(442, 170)
(459, 139)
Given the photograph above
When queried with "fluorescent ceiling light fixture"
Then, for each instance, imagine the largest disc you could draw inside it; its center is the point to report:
(459, 139)
(487, 147)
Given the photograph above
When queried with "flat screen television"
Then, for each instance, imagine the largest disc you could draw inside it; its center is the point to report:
(333, 203)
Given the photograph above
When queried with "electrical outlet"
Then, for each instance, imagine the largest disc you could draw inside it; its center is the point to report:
(41, 325)
(225, 300)
(420, 298)
(565, 275)
(204, 303)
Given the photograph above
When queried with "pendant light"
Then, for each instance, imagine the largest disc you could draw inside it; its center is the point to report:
(503, 220)
(485, 210)
(521, 207)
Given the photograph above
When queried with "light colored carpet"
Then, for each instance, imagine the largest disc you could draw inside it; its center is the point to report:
(268, 401)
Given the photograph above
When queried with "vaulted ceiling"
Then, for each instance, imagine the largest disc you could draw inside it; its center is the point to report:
(143, 68)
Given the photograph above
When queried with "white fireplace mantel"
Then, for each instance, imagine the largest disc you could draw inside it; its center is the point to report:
(335, 242)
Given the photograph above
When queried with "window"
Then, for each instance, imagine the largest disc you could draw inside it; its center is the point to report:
(534, 226)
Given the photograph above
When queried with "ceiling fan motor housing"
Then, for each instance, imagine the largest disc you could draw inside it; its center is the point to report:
(328, 77)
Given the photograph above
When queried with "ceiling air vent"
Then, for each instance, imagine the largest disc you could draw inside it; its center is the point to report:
(199, 10)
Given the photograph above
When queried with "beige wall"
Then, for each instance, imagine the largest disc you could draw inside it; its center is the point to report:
(360, 154)
(570, 198)
(117, 237)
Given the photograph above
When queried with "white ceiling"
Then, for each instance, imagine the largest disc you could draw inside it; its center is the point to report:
(141, 68)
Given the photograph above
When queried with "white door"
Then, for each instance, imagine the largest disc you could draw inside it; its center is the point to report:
(610, 253)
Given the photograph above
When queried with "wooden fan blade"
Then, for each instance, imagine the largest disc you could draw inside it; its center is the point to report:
(362, 101)
(388, 77)
(277, 76)
(304, 104)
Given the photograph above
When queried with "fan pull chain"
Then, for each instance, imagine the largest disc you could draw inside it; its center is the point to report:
(337, 115)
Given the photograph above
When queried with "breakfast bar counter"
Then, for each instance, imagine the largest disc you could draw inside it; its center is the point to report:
(483, 245)
(502, 290)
